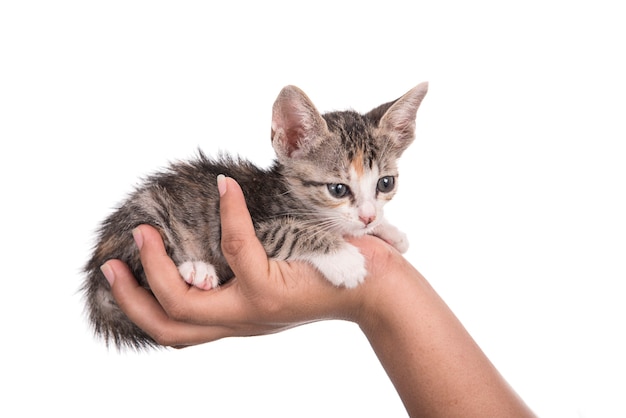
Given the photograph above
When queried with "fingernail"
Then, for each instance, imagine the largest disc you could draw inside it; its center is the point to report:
(138, 238)
(108, 272)
(221, 184)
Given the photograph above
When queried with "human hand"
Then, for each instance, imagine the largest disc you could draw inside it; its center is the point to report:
(266, 296)
(433, 362)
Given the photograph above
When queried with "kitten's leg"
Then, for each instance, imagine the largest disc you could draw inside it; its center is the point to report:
(287, 239)
(199, 274)
(344, 266)
(392, 235)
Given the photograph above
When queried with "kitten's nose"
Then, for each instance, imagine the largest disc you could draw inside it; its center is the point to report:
(367, 219)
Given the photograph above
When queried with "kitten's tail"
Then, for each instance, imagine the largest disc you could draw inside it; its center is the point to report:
(107, 320)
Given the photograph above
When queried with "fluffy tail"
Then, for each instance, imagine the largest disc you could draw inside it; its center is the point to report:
(107, 320)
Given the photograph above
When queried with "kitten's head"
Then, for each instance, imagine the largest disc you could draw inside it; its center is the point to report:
(342, 165)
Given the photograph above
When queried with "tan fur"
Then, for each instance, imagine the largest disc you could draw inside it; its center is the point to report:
(357, 164)
(294, 210)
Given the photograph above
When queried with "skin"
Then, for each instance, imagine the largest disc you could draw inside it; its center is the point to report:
(434, 364)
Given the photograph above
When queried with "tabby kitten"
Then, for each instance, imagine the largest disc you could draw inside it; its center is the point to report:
(332, 176)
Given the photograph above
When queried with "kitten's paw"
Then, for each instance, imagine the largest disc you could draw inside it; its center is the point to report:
(199, 274)
(345, 267)
(400, 242)
(393, 236)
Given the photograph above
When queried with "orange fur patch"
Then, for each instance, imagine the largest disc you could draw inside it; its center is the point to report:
(357, 164)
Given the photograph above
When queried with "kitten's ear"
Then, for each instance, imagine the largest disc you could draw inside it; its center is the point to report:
(398, 121)
(296, 124)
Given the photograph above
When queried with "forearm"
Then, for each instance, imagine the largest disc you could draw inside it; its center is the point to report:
(435, 365)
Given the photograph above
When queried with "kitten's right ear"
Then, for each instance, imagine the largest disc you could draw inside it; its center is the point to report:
(398, 122)
(296, 124)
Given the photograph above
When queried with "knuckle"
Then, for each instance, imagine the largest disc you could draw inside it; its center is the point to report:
(176, 312)
(165, 338)
(233, 245)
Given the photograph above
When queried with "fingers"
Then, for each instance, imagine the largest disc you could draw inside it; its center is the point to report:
(133, 299)
(179, 300)
(243, 251)
(176, 314)
(162, 273)
(143, 309)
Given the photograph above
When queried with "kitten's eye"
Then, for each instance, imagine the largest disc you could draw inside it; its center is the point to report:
(338, 190)
(386, 184)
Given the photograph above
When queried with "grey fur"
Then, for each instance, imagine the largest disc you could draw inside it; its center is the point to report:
(289, 202)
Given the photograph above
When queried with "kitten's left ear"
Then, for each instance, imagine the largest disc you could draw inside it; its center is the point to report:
(398, 122)
(297, 126)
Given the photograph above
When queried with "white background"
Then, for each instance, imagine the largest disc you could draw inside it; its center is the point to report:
(513, 194)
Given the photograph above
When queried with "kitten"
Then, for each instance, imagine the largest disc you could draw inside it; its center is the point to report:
(332, 176)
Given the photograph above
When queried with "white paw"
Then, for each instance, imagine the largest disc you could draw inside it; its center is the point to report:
(345, 267)
(393, 236)
(400, 242)
(199, 274)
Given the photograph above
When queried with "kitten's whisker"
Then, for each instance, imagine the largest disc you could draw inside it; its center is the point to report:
(292, 218)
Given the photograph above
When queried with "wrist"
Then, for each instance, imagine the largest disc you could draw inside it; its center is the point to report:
(388, 288)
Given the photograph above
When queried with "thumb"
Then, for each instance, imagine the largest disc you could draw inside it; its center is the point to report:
(243, 251)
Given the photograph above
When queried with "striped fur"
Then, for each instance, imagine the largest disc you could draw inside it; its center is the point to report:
(298, 204)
